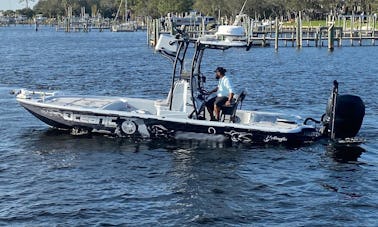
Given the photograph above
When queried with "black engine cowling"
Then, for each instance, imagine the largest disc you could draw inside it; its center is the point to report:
(344, 115)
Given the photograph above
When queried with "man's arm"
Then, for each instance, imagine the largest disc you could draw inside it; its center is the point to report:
(214, 90)
(231, 92)
(230, 97)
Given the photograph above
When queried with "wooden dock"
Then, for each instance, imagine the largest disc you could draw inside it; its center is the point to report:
(319, 36)
(84, 23)
(155, 27)
(348, 30)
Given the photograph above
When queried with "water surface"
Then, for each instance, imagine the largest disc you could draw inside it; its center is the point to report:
(52, 178)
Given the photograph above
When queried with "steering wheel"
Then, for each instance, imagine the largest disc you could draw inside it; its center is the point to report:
(201, 79)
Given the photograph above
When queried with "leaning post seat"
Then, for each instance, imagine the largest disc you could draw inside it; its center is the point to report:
(231, 110)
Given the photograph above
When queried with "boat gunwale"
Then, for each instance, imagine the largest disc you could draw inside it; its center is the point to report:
(98, 111)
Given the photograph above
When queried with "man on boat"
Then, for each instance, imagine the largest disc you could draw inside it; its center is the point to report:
(225, 94)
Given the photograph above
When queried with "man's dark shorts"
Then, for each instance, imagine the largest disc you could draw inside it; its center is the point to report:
(219, 101)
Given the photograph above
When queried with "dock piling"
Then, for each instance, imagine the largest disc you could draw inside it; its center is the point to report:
(156, 32)
(331, 36)
(316, 38)
(373, 32)
(340, 37)
(299, 30)
(276, 35)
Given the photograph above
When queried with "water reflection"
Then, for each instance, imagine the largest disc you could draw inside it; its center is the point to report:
(48, 140)
(344, 153)
(59, 140)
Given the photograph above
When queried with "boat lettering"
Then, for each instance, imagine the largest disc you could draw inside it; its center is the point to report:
(211, 130)
(160, 131)
(275, 138)
(244, 137)
(89, 119)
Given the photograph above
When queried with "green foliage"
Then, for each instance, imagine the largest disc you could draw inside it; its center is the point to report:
(9, 13)
(27, 12)
(173, 6)
(255, 8)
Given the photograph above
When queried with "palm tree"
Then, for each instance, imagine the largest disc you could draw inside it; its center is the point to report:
(27, 2)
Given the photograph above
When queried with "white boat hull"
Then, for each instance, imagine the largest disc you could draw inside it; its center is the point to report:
(122, 117)
(125, 27)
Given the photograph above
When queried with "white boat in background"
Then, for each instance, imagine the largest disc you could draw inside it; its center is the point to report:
(127, 25)
(130, 26)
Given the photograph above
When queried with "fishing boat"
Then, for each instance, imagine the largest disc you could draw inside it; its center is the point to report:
(182, 115)
(127, 25)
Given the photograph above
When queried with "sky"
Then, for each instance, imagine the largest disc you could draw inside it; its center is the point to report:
(14, 4)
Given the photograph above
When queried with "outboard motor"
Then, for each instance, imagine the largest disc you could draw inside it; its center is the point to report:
(344, 115)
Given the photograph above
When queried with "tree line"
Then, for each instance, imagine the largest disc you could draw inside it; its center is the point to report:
(314, 9)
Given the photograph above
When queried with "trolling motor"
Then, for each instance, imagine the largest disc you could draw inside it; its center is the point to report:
(343, 117)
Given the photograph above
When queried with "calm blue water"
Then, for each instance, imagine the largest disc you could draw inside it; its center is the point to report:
(49, 178)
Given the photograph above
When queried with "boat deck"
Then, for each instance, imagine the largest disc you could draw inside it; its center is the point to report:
(104, 103)
(81, 102)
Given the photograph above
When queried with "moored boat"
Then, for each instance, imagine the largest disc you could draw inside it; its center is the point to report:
(127, 25)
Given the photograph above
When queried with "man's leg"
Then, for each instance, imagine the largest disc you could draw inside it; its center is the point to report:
(210, 107)
(217, 110)
(218, 103)
(211, 111)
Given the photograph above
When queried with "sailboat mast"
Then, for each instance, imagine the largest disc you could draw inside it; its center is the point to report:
(242, 9)
(119, 8)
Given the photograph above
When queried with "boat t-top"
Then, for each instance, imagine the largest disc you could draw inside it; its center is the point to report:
(182, 114)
